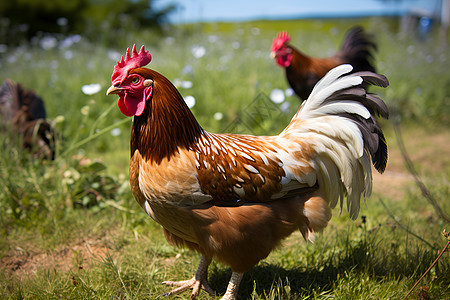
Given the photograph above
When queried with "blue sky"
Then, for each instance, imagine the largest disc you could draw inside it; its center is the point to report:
(241, 10)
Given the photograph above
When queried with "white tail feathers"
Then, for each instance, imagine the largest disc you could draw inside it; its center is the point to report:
(337, 120)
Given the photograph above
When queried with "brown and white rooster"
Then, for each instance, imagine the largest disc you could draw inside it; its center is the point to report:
(303, 71)
(233, 198)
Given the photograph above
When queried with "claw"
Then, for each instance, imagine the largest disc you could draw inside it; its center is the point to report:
(195, 283)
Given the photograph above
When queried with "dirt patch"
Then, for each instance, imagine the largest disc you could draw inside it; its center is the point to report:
(428, 150)
(81, 254)
(429, 153)
(392, 185)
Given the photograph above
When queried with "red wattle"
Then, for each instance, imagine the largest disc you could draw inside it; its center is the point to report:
(284, 60)
(132, 106)
(123, 107)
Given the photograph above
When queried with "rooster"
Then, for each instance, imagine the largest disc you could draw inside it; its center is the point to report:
(303, 72)
(231, 197)
(23, 112)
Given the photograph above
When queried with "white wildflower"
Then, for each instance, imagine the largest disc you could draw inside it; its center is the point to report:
(289, 92)
(198, 51)
(66, 43)
(186, 84)
(188, 69)
(76, 38)
(176, 82)
(67, 175)
(70, 175)
(91, 89)
(68, 55)
(285, 106)
(277, 95)
(218, 116)
(115, 131)
(48, 42)
(190, 101)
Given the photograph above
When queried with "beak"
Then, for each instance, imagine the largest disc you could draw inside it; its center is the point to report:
(273, 54)
(113, 90)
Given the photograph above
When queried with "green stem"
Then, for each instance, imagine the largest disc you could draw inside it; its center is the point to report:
(428, 270)
(93, 136)
(404, 227)
(410, 167)
(103, 115)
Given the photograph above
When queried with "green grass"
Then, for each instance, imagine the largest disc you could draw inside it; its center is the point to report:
(70, 228)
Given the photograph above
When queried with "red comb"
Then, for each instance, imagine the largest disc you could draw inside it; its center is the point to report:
(280, 40)
(136, 60)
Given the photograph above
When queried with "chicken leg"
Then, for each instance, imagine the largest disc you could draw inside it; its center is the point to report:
(233, 286)
(200, 280)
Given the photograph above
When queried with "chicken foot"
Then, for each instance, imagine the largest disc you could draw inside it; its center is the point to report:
(200, 280)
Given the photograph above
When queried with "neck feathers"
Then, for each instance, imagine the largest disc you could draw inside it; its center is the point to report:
(166, 124)
(299, 60)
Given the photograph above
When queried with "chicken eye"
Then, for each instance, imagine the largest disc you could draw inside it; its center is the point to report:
(135, 80)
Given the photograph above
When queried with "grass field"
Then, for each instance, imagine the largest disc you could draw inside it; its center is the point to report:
(71, 229)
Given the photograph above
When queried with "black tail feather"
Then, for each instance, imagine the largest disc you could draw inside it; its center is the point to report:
(358, 49)
(371, 132)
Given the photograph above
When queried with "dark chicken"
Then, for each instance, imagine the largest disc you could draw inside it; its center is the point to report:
(233, 198)
(303, 72)
(23, 113)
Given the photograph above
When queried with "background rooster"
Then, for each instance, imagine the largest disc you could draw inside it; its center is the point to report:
(235, 197)
(23, 113)
(303, 72)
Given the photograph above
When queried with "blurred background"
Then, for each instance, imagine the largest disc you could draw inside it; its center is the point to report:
(26, 19)
(188, 11)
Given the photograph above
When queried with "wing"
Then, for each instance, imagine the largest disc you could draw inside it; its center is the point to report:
(236, 168)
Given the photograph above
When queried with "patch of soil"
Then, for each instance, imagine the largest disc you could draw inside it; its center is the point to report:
(81, 254)
(428, 150)
(391, 184)
(429, 153)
